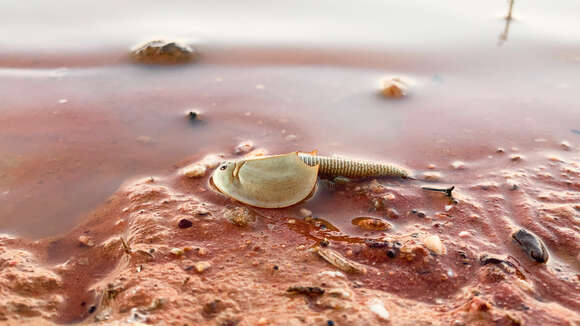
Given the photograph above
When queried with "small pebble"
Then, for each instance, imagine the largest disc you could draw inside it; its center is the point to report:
(458, 165)
(565, 145)
(144, 140)
(202, 266)
(500, 150)
(62, 101)
(515, 157)
(193, 116)
(263, 321)
(464, 234)
(195, 170)
(184, 223)
(244, 147)
(389, 197)
(431, 166)
(85, 240)
(377, 306)
(394, 88)
(432, 176)
(291, 137)
(305, 212)
(434, 244)
(177, 252)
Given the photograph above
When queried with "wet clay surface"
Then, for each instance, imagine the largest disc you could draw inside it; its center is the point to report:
(218, 271)
(99, 224)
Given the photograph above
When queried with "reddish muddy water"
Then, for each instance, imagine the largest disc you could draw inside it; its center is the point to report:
(78, 118)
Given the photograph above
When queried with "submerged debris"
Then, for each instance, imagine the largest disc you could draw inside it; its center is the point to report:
(447, 191)
(371, 223)
(340, 262)
(163, 52)
(532, 245)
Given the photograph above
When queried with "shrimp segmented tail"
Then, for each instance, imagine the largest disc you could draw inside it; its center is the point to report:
(340, 166)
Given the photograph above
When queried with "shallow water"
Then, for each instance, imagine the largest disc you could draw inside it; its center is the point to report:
(78, 119)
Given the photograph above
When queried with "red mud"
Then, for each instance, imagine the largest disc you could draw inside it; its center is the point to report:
(91, 147)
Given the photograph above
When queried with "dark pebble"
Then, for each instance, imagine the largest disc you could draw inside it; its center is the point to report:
(575, 131)
(391, 253)
(421, 214)
(532, 245)
(329, 323)
(376, 244)
(184, 223)
(92, 309)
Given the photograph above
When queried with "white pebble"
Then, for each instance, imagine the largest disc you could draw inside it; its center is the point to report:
(244, 147)
(458, 165)
(86, 241)
(177, 251)
(305, 212)
(202, 266)
(195, 170)
(565, 145)
(464, 234)
(377, 306)
(432, 176)
(434, 244)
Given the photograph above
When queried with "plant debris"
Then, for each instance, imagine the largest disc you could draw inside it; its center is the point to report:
(339, 261)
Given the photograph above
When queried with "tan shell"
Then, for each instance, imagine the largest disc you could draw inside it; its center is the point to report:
(268, 181)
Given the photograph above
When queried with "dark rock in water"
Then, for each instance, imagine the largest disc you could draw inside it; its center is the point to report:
(163, 52)
(194, 117)
(532, 245)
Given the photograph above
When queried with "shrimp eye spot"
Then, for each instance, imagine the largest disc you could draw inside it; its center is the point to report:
(223, 167)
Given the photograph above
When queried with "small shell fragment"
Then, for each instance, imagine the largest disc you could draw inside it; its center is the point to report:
(339, 261)
(371, 223)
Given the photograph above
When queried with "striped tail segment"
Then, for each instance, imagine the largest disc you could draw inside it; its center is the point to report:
(339, 166)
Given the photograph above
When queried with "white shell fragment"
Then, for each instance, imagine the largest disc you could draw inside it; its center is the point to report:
(268, 181)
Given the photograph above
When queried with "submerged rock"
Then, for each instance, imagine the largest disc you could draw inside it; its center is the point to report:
(532, 245)
(163, 52)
